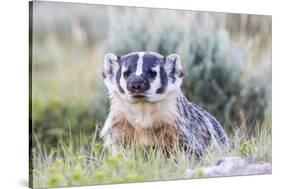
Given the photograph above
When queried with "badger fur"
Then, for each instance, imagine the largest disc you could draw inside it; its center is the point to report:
(147, 106)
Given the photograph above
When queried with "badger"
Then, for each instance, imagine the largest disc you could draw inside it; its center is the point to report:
(147, 106)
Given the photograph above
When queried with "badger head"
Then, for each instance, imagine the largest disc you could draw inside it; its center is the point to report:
(142, 76)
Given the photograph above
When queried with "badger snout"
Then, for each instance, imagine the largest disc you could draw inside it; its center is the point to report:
(137, 84)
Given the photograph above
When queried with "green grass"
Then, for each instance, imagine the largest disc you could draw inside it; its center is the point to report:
(89, 163)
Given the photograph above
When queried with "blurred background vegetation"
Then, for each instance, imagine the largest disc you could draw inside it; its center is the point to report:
(226, 57)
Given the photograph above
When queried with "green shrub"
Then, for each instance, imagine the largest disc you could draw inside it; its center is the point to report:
(53, 120)
(217, 78)
(215, 68)
(140, 30)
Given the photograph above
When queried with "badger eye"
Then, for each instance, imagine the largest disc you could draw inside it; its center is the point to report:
(152, 73)
(126, 73)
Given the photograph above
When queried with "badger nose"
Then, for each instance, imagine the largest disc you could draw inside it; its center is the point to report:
(137, 85)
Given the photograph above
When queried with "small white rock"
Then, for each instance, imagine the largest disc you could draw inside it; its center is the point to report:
(231, 166)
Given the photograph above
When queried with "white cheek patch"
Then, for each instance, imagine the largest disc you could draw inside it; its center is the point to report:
(156, 83)
(110, 83)
(174, 86)
(109, 71)
(139, 64)
(123, 83)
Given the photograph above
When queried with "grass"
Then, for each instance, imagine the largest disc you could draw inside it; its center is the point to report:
(89, 163)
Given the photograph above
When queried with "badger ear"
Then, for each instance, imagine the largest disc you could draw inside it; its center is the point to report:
(173, 66)
(110, 65)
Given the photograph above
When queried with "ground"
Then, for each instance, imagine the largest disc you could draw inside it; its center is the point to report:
(89, 163)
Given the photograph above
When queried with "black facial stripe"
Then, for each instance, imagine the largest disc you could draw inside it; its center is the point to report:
(130, 62)
(164, 81)
(118, 76)
(173, 72)
(151, 60)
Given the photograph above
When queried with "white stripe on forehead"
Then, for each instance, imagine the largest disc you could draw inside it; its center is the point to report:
(139, 64)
